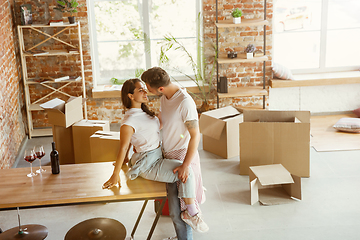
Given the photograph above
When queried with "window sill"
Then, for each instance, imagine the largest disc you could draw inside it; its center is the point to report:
(319, 79)
(114, 91)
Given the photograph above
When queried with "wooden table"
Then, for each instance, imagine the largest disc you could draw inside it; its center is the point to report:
(76, 184)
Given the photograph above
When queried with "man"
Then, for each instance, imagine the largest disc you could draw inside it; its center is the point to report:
(181, 137)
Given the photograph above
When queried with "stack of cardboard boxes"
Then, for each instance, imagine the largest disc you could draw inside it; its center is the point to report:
(72, 133)
(259, 137)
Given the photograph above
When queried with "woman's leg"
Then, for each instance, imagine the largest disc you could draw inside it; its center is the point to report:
(162, 171)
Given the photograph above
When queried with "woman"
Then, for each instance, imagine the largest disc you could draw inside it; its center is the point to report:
(141, 128)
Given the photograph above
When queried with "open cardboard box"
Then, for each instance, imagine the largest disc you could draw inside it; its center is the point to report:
(273, 184)
(104, 146)
(220, 130)
(82, 132)
(63, 113)
(275, 137)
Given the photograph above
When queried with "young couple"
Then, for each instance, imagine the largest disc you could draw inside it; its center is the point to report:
(179, 167)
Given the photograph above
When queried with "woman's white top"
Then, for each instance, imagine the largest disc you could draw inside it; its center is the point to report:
(147, 129)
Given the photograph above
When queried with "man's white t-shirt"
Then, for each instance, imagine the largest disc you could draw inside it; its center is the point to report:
(147, 129)
(175, 111)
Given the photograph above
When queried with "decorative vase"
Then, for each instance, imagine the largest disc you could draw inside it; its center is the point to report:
(249, 55)
(237, 20)
(71, 19)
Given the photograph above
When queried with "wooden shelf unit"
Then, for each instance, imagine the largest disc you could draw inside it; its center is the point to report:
(241, 58)
(243, 92)
(244, 23)
(48, 82)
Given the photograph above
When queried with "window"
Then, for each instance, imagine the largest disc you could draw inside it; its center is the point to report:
(317, 35)
(126, 35)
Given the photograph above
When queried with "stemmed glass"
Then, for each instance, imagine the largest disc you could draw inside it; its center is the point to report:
(30, 156)
(40, 152)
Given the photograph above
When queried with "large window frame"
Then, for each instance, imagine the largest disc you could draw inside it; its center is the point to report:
(146, 42)
(324, 31)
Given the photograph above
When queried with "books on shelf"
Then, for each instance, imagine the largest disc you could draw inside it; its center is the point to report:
(73, 50)
(65, 78)
(36, 52)
(59, 79)
(56, 22)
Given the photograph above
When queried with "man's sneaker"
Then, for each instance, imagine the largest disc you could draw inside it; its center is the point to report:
(195, 221)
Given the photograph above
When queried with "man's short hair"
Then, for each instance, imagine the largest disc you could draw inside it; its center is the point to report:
(156, 77)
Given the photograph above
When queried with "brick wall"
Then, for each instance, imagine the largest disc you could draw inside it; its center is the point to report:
(12, 130)
(249, 74)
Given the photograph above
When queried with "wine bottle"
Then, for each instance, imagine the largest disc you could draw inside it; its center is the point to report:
(54, 156)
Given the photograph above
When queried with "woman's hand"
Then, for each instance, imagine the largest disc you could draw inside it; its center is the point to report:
(113, 181)
(183, 173)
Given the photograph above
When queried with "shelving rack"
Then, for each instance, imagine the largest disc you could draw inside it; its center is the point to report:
(241, 91)
(48, 82)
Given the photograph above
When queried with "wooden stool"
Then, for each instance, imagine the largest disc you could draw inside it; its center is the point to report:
(97, 228)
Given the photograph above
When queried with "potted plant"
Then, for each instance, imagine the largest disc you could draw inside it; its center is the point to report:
(250, 49)
(236, 14)
(68, 6)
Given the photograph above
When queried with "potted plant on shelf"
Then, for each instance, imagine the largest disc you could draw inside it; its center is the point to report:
(68, 6)
(250, 49)
(236, 14)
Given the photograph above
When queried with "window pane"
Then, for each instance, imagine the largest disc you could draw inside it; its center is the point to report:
(118, 20)
(177, 58)
(343, 14)
(177, 17)
(297, 50)
(296, 35)
(297, 15)
(120, 59)
(340, 53)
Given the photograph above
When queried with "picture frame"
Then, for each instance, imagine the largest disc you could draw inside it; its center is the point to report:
(26, 15)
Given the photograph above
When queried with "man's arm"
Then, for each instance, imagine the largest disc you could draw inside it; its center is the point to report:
(193, 128)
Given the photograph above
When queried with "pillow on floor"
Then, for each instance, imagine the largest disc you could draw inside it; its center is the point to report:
(357, 112)
(282, 72)
(348, 125)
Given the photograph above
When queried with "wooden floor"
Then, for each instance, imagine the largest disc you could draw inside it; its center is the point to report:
(326, 138)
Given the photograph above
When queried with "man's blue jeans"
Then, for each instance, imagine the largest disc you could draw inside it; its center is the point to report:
(183, 230)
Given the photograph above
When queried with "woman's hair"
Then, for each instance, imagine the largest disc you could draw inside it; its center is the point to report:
(156, 77)
(129, 87)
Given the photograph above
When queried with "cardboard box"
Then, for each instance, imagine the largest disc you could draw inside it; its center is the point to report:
(104, 146)
(82, 132)
(220, 130)
(273, 184)
(275, 137)
(63, 139)
(64, 114)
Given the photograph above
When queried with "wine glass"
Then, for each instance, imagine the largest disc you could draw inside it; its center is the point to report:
(40, 152)
(30, 156)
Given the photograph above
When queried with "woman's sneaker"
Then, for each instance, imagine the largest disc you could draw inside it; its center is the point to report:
(195, 222)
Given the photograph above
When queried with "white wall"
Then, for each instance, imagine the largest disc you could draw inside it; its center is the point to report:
(317, 99)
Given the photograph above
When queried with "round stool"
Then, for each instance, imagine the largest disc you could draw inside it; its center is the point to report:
(28, 232)
(97, 228)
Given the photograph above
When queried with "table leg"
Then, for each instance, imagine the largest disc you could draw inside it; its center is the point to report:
(1, 230)
(138, 219)
(156, 219)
